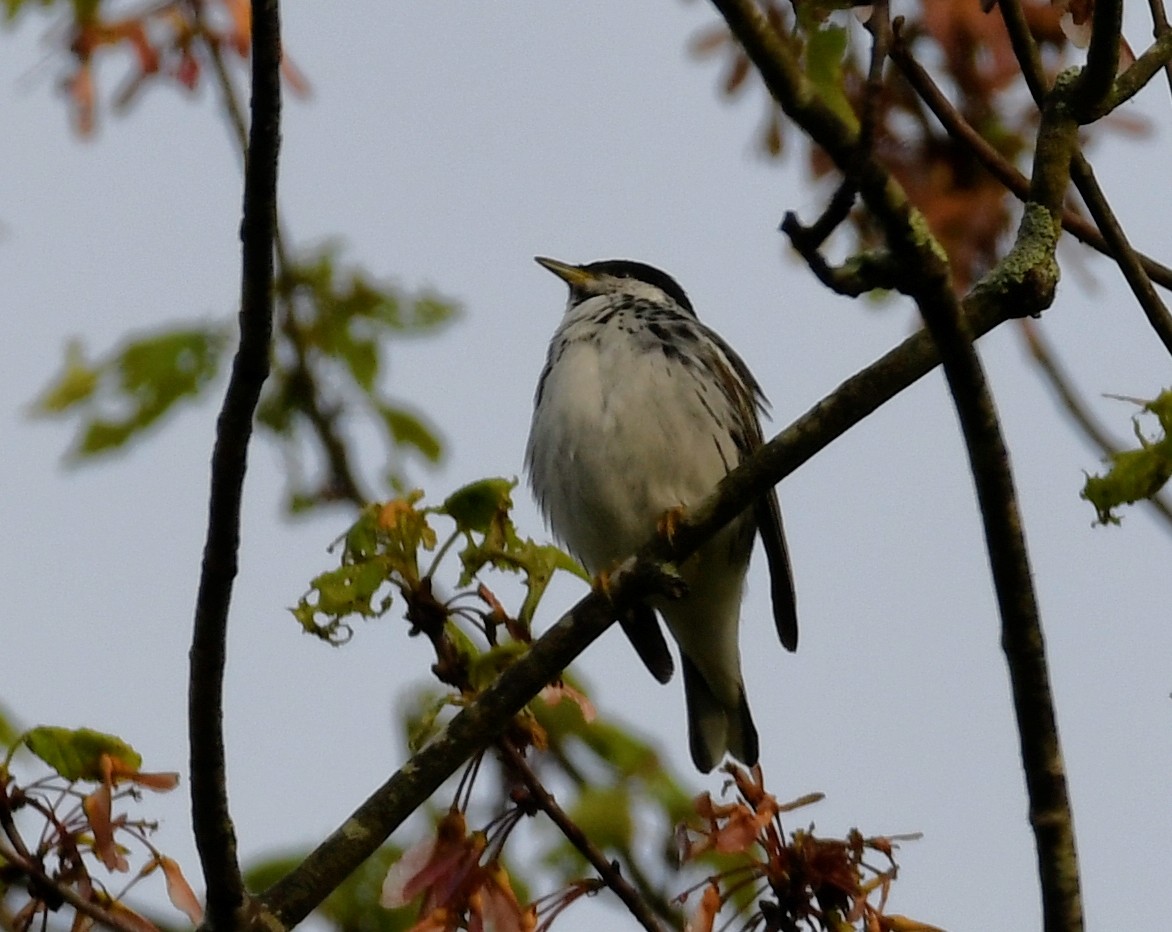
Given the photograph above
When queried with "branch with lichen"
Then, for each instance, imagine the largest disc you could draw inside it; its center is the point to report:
(1024, 280)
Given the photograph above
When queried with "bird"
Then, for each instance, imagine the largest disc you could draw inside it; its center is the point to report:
(639, 411)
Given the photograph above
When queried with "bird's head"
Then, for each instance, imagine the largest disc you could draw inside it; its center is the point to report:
(618, 277)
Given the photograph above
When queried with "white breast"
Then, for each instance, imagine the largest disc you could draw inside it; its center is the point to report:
(622, 432)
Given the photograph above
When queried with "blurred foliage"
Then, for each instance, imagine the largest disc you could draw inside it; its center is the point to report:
(1135, 475)
(353, 906)
(10, 729)
(165, 42)
(334, 326)
(329, 371)
(116, 398)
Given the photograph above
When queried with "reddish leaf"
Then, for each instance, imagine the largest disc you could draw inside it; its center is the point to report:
(179, 890)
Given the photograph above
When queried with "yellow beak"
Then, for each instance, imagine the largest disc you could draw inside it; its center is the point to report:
(573, 275)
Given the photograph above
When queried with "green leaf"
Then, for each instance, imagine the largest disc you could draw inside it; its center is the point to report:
(475, 506)
(9, 730)
(406, 429)
(76, 753)
(361, 358)
(430, 312)
(825, 49)
(76, 383)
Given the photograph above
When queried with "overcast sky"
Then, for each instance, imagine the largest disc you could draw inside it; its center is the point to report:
(447, 144)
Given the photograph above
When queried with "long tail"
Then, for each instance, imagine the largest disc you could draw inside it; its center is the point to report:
(713, 728)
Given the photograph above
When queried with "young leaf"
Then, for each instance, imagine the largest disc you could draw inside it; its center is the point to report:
(1135, 474)
(476, 505)
(76, 754)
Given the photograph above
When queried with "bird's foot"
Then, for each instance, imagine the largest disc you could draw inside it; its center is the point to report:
(670, 521)
(601, 582)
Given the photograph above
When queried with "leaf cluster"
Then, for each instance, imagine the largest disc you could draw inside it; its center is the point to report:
(392, 547)
(82, 842)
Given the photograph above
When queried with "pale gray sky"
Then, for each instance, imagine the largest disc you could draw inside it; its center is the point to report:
(447, 144)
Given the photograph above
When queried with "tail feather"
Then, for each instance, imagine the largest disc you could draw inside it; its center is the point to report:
(714, 729)
(642, 629)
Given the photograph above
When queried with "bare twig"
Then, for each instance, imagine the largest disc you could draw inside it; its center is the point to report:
(1098, 75)
(1025, 49)
(1159, 30)
(1153, 59)
(575, 836)
(1128, 262)
(214, 833)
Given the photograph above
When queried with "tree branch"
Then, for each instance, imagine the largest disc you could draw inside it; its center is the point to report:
(29, 866)
(214, 833)
(1098, 75)
(1030, 262)
(1136, 78)
(997, 165)
(1161, 32)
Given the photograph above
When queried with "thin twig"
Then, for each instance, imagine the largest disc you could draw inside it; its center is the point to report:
(1159, 30)
(573, 833)
(1125, 257)
(879, 25)
(1098, 75)
(1025, 49)
(214, 833)
(1068, 397)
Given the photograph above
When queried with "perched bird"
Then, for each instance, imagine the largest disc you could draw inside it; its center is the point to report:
(639, 412)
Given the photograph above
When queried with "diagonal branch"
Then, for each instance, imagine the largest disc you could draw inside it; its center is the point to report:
(1125, 257)
(300, 892)
(1161, 31)
(214, 833)
(27, 865)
